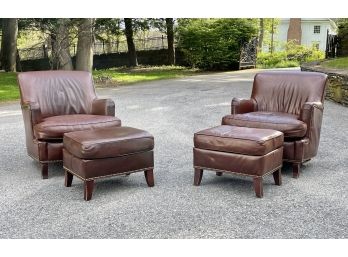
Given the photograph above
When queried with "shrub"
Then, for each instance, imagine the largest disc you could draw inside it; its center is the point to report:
(214, 44)
(292, 56)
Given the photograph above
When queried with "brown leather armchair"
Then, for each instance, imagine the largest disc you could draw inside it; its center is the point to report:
(290, 102)
(56, 102)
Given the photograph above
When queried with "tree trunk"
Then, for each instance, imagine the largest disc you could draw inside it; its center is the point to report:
(84, 53)
(9, 44)
(170, 39)
(262, 33)
(61, 56)
(132, 55)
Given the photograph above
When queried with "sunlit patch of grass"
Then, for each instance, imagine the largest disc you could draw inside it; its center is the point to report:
(338, 63)
(8, 86)
(117, 76)
(122, 76)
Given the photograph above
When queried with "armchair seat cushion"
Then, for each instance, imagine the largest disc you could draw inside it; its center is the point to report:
(284, 122)
(54, 127)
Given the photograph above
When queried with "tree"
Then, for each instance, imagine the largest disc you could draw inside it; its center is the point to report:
(342, 49)
(170, 39)
(9, 44)
(84, 53)
(59, 38)
(108, 30)
(132, 56)
(61, 45)
(261, 33)
(214, 44)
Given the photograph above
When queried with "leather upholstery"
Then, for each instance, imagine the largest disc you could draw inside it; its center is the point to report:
(106, 143)
(287, 91)
(284, 122)
(55, 127)
(248, 151)
(291, 102)
(238, 163)
(241, 140)
(47, 97)
(58, 92)
(96, 168)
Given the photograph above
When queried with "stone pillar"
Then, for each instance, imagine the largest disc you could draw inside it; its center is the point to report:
(295, 31)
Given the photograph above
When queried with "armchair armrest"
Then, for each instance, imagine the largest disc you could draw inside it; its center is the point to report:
(239, 105)
(312, 115)
(308, 110)
(103, 107)
(31, 116)
(33, 110)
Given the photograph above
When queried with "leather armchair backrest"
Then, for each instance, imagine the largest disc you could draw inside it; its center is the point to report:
(287, 91)
(58, 92)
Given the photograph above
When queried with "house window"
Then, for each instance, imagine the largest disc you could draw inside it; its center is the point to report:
(316, 29)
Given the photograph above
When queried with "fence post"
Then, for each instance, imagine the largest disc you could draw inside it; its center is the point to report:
(162, 42)
(103, 47)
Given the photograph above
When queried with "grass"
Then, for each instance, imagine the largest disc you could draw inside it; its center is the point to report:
(8, 86)
(124, 76)
(110, 77)
(338, 63)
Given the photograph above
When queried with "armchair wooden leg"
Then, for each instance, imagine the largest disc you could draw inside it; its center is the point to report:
(198, 177)
(88, 189)
(68, 178)
(258, 186)
(44, 170)
(218, 173)
(277, 175)
(149, 177)
(296, 170)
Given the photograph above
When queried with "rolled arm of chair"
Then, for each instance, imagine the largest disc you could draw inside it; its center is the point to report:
(308, 111)
(31, 116)
(240, 105)
(312, 115)
(103, 107)
(33, 110)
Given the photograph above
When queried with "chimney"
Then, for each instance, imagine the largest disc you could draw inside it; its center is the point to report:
(294, 31)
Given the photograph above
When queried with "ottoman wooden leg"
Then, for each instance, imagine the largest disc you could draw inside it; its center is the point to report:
(277, 175)
(44, 170)
(219, 173)
(198, 177)
(68, 178)
(296, 170)
(88, 190)
(258, 186)
(149, 177)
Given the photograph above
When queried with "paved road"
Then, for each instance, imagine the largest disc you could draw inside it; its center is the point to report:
(314, 206)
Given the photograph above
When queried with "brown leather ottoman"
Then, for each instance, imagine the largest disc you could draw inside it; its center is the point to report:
(100, 153)
(246, 151)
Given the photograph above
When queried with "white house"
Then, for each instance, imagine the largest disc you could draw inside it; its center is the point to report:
(305, 31)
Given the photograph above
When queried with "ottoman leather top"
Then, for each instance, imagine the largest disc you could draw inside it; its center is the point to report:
(108, 142)
(240, 140)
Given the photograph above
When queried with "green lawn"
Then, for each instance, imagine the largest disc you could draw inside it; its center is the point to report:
(111, 77)
(123, 76)
(8, 86)
(338, 63)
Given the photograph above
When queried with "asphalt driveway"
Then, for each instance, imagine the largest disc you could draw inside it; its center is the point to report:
(313, 206)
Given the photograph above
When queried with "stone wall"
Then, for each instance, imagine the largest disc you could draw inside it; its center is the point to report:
(337, 89)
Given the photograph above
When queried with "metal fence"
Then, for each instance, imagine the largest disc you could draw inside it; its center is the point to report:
(331, 45)
(100, 47)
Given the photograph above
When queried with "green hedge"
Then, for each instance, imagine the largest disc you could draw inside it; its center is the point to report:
(214, 44)
(292, 56)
